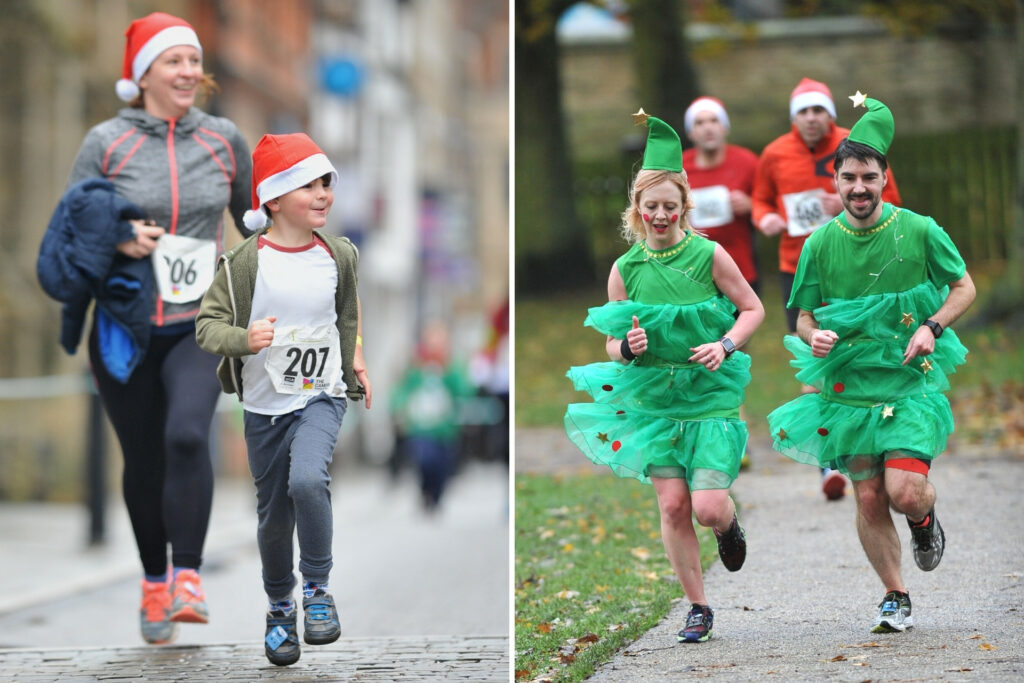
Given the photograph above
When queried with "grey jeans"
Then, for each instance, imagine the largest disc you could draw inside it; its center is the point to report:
(288, 458)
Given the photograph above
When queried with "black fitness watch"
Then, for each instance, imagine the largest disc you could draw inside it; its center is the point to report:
(934, 327)
(729, 346)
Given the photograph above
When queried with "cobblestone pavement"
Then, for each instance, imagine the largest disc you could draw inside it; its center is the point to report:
(430, 658)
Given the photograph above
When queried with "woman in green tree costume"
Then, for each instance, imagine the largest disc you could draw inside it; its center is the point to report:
(666, 407)
(877, 287)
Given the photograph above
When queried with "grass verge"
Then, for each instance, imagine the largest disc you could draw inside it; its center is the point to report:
(591, 574)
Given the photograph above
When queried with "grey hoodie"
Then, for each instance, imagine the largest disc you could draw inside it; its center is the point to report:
(182, 182)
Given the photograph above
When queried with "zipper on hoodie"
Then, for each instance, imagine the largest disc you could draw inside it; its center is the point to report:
(172, 167)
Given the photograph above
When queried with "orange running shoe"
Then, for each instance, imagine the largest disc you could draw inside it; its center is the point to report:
(157, 628)
(188, 601)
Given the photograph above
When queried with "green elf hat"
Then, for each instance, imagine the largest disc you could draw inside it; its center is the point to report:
(663, 152)
(875, 129)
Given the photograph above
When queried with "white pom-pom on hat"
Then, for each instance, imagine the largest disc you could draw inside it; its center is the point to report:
(126, 90)
(254, 220)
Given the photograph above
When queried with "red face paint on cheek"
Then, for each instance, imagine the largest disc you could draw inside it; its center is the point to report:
(647, 218)
(675, 217)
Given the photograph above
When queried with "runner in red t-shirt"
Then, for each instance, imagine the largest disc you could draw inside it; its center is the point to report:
(722, 178)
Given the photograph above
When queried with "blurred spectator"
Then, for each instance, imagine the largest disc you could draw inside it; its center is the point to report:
(426, 406)
(489, 370)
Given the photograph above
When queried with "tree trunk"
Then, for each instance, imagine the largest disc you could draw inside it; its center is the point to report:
(665, 77)
(553, 247)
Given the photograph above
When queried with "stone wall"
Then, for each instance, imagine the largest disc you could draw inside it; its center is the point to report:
(932, 83)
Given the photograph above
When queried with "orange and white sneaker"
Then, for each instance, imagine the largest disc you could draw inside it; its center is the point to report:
(188, 601)
(157, 628)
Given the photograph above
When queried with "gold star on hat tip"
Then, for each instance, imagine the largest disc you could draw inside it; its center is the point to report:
(640, 117)
(858, 99)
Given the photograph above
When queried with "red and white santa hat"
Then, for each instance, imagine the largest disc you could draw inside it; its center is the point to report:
(705, 103)
(146, 39)
(808, 93)
(280, 164)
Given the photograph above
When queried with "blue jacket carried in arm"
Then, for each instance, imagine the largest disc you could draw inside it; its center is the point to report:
(79, 261)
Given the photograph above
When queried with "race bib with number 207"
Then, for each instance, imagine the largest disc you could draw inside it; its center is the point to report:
(304, 360)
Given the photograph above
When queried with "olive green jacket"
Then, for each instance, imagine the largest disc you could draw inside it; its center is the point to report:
(222, 323)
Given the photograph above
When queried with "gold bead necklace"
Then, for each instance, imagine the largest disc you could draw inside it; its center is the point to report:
(872, 231)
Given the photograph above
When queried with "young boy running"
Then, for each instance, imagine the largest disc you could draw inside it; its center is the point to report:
(284, 313)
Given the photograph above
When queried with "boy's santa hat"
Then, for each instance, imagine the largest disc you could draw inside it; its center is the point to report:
(705, 103)
(146, 39)
(808, 93)
(280, 164)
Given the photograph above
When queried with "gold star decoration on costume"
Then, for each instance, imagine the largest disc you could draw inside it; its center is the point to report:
(858, 99)
(886, 412)
(908, 319)
(926, 366)
(640, 118)
(782, 435)
(602, 437)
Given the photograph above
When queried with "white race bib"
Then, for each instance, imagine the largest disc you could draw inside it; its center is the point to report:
(304, 360)
(712, 209)
(805, 212)
(184, 267)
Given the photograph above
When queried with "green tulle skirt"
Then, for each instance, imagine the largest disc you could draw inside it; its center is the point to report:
(870, 404)
(661, 415)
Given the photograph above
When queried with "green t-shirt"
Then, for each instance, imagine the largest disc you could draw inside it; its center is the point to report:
(902, 250)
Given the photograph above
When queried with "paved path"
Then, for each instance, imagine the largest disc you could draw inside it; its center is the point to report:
(421, 597)
(802, 606)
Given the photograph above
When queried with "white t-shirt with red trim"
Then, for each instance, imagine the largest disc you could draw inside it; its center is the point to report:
(297, 285)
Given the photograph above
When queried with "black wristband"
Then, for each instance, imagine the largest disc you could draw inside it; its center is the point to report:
(627, 353)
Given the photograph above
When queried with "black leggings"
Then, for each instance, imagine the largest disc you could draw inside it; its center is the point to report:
(162, 418)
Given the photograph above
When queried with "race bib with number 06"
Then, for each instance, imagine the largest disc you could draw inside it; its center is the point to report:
(184, 267)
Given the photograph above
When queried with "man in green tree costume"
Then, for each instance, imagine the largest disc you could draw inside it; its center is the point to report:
(877, 288)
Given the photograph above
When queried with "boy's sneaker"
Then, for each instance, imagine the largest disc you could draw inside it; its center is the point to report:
(893, 614)
(929, 541)
(281, 642)
(698, 625)
(833, 484)
(320, 624)
(188, 599)
(157, 629)
(732, 546)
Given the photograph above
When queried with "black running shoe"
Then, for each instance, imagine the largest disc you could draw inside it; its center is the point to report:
(281, 643)
(732, 546)
(929, 541)
(893, 614)
(698, 625)
(320, 624)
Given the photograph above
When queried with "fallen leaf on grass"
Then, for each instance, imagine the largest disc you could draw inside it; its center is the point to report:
(641, 553)
(567, 594)
(544, 627)
(616, 627)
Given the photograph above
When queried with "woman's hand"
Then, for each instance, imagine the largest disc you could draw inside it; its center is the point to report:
(709, 355)
(144, 242)
(636, 338)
